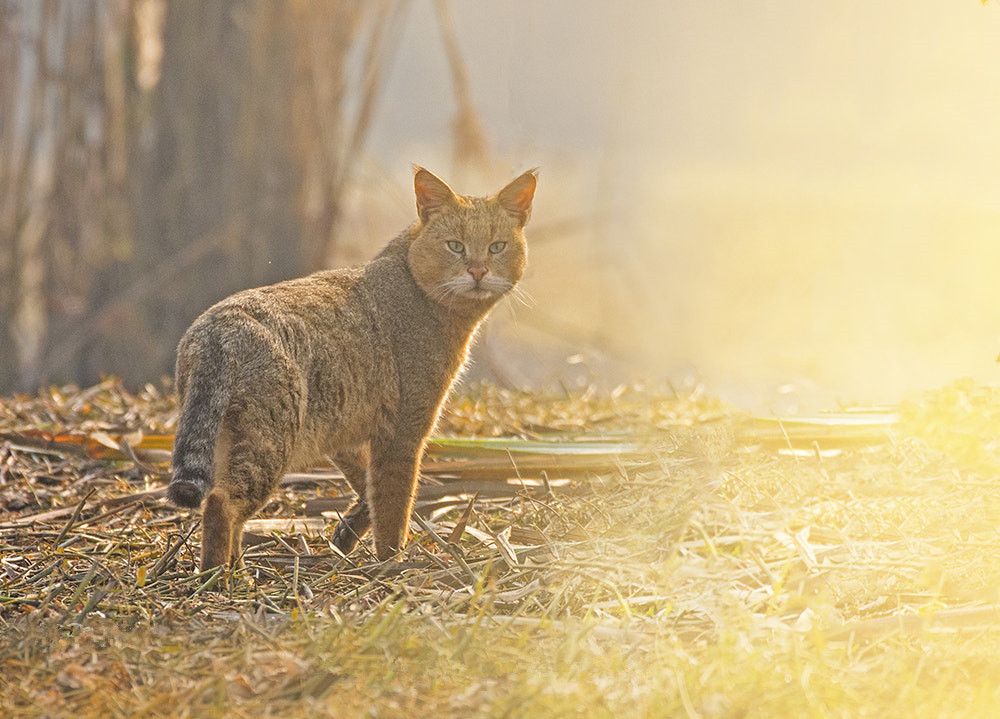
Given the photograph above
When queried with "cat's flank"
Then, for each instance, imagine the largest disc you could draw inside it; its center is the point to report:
(351, 365)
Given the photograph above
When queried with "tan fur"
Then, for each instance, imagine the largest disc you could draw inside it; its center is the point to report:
(348, 364)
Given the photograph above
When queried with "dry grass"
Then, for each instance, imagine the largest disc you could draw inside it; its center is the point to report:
(637, 556)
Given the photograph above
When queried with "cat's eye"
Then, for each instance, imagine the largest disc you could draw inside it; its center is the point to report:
(457, 247)
(497, 247)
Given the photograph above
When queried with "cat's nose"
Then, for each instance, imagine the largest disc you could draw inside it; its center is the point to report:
(478, 272)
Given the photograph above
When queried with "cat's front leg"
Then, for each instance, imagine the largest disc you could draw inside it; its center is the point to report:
(392, 486)
(355, 522)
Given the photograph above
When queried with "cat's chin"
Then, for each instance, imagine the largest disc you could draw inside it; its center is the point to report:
(480, 294)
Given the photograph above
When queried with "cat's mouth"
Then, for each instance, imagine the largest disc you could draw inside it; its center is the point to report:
(490, 289)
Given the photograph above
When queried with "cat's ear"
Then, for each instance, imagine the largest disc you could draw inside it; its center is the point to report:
(433, 193)
(517, 196)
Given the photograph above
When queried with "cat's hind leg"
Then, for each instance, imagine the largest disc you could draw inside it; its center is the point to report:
(216, 531)
(262, 432)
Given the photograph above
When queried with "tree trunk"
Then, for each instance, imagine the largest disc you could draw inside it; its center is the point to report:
(154, 158)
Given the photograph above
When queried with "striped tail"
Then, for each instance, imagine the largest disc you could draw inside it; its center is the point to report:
(194, 449)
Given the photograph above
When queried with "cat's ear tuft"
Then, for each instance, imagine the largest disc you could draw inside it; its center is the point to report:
(517, 196)
(433, 194)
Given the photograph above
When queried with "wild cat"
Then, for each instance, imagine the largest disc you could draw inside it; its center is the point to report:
(348, 364)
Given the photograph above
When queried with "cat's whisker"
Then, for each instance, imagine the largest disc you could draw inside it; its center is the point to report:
(523, 296)
(450, 287)
(448, 291)
(511, 308)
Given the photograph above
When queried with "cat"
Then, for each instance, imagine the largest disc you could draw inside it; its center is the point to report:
(348, 364)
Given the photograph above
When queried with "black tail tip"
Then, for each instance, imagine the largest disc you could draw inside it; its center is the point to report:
(185, 493)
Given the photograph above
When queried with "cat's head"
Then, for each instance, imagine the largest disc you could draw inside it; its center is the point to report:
(469, 251)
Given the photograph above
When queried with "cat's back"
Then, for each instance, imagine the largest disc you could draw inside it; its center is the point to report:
(313, 297)
(290, 318)
(316, 294)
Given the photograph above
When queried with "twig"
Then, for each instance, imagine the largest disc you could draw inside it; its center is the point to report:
(74, 517)
(453, 550)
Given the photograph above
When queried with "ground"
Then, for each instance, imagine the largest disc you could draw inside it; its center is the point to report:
(628, 554)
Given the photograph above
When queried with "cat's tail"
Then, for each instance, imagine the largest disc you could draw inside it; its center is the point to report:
(201, 418)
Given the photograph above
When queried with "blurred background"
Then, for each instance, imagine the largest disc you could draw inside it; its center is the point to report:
(797, 204)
